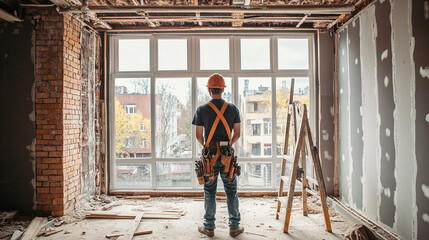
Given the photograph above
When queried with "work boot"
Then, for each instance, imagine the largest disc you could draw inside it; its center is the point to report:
(234, 232)
(203, 230)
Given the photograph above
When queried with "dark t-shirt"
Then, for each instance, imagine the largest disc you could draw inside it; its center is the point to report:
(205, 116)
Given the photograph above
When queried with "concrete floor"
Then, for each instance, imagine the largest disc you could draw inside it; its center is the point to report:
(258, 219)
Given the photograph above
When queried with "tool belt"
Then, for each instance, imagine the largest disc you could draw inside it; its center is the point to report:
(212, 151)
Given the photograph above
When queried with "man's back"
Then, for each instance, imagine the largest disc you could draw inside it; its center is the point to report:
(205, 116)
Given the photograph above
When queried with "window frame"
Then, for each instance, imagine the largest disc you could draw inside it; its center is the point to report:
(194, 72)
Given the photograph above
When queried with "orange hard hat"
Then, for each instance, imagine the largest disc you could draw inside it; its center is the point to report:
(216, 81)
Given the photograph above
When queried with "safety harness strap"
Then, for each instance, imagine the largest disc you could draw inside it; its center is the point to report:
(216, 122)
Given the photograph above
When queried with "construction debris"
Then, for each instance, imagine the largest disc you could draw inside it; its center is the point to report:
(147, 215)
(7, 216)
(34, 228)
(360, 232)
(138, 197)
(16, 235)
(52, 232)
(109, 206)
(143, 232)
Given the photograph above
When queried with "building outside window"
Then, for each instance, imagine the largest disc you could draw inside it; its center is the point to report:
(156, 90)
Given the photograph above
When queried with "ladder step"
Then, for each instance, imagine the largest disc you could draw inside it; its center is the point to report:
(285, 179)
(312, 180)
(283, 200)
(314, 193)
(288, 158)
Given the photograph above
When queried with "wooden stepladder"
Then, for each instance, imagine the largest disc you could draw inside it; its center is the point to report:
(302, 139)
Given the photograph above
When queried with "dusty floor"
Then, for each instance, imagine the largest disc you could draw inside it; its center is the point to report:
(258, 219)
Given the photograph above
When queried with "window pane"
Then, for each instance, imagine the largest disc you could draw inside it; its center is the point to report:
(255, 110)
(174, 174)
(214, 54)
(293, 53)
(172, 54)
(173, 117)
(132, 109)
(134, 54)
(133, 175)
(301, 94)
(255, 175)
(204, 97)
(255, 54)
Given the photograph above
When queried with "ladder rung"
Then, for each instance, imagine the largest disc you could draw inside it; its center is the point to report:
(312, 180)
(288, 158)
(283, 200)
(314, 193)
(285, 179)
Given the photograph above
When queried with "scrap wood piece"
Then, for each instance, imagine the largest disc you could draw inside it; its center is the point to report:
(160, 216)
(8, 215)
(182, 212)
(33, 228)
(114, 235)
(129, 235)
(256, 234)
(53, 232)
(143, 232)
(138, 197)
(109, 206)
(110, 215)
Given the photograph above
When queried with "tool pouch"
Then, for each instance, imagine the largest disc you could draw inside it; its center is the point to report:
(226, 161)
(235, 169)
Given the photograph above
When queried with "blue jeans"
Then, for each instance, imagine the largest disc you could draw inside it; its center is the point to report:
(210, 188)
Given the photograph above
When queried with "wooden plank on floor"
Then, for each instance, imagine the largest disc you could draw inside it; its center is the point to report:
(143, 233)
(133, 227)
(33, 229)
(138, 197)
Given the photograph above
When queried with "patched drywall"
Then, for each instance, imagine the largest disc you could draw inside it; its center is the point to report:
(382, 67)
(404, 115)
(326, 116)
(420, 31)
(17, 128)
(370, 125)
(344, 106)
(386, 108)
(355, 111)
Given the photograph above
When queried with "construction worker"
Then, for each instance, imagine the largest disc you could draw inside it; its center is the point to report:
(204, 118)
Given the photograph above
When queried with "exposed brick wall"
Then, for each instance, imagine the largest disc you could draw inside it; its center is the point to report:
(57, 112)
(72, 111)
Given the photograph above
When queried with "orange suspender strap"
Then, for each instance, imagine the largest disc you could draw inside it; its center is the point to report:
(216, 122)
(214, 126)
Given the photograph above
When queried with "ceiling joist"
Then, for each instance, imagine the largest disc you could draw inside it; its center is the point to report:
(286, 9)
(8, 17)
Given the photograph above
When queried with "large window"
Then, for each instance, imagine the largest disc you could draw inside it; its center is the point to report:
(158, 81)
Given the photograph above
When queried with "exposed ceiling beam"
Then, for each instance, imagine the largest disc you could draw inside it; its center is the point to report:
(8, 17)
(287, 9)
(204, 19)
(335, 22)
(302, 21)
